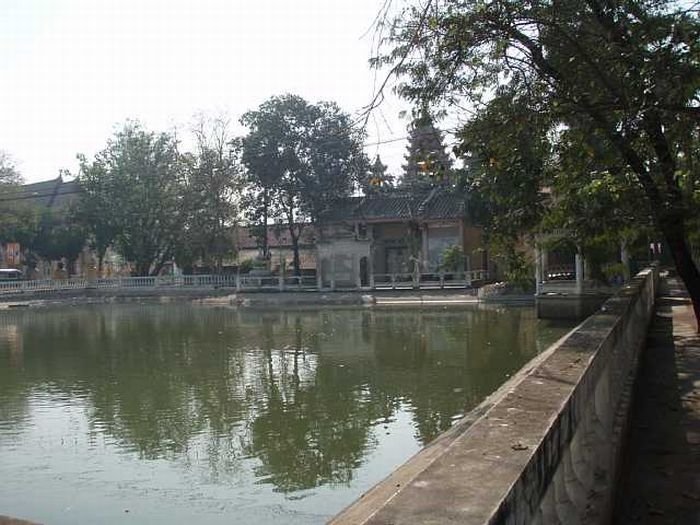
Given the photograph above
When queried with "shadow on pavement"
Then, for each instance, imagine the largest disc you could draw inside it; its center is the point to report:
(661, 479)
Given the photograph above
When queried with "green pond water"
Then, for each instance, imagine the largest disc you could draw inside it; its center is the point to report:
(178, 413)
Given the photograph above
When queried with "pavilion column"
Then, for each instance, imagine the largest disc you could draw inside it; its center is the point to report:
(579, 272)
(545, 264)
(424, 247)
(332, 270)
(538, 270)
(319, 269)
(625, 259)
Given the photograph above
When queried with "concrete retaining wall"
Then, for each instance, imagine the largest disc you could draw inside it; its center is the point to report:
(545, 448)
(229, 297)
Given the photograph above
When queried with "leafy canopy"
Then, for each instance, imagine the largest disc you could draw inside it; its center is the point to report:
(600, 101)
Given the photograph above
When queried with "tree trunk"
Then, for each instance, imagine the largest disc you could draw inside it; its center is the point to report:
(142, 268)
(674, 232)
(297, 260)
(265, 248)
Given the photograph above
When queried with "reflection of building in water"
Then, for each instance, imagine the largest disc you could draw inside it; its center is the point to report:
(11, 338)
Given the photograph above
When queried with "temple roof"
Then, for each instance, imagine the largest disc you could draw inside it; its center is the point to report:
(437, 204)
(54, 193)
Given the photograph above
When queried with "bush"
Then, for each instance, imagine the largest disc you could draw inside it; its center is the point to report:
(246, 266)
(453, 258)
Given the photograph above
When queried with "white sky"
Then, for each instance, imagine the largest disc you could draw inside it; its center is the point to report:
(71, 71)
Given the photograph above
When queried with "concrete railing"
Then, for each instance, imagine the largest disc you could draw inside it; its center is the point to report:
(427, 281)
(243, 282)
(545, 448)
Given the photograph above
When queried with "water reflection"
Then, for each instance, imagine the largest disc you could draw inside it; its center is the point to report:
(289, 400)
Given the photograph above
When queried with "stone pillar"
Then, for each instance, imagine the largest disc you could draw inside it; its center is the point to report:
(545, 264)
(356, 267)
(332, 255)
(538, 270)
(579, 272)
(625, 259)
(424, 246)
(319, 269)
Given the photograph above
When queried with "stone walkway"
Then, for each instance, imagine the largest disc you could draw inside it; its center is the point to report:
(661, 484)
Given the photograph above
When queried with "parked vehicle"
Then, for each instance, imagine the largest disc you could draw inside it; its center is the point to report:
(11, 274)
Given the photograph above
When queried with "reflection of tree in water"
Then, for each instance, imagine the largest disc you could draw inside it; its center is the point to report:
(443, 363)
(299, 391)
(318, 437)
(11, 382)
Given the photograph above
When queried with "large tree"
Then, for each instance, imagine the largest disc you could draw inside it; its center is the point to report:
(212, 185)
(9, 174)
(621, 79)
(299, 157)
(139, 180)
(18, 218)
(96, 209)
(59, 235)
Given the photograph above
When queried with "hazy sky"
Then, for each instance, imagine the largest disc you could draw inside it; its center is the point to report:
(72, 70)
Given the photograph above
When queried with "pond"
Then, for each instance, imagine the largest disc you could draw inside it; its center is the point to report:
(177, 413)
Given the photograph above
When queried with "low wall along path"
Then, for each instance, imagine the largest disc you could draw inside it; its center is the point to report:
(545, 448)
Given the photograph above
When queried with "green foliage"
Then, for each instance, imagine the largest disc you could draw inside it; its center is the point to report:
(506, 152)
(614, 272)
(453, 258)
(597, 102)
(59, 236)
(299, 157)
(97, 208)
(9, 175)
(212, 184)
(246, 265)
(134, 197)
(518, 269)
(19, 220)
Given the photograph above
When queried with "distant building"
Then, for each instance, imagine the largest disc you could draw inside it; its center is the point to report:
(395, 233)
(55, 194)
(280, 246)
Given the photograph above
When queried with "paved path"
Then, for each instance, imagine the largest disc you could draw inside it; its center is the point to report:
(661, 484)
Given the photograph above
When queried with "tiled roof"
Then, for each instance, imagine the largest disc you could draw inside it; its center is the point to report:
(53, 193)
(434, 205)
